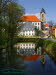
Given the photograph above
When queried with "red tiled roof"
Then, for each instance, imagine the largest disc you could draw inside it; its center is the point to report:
(31, 58)
(47, 25)
(30, 18)
(53, 27)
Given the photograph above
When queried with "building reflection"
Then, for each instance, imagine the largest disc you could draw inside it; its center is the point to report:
(32, 51)
(28, 49)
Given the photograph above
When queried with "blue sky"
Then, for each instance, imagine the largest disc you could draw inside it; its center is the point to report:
(35, 6)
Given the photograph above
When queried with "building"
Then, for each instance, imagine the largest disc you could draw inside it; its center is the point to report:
(47, 26)
(40, 24)
(33, 19)
(43, 16)
(54, 31)
(47, 29)
(27, 30)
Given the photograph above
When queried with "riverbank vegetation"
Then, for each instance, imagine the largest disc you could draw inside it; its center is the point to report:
(50, 48)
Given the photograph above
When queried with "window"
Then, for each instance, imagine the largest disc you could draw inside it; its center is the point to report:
(21, 45)
(29, 33)
(42, 19)
(42, 15)
(26, 33)
(38, 23)
(35, 23)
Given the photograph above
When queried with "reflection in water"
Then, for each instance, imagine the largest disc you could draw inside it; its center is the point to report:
(37, 64)
(37, 68)
(43, 58)
(31, 50)
(28, 49)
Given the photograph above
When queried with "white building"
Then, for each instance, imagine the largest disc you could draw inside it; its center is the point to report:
(27, 30)
(37, 25)
(33, 19)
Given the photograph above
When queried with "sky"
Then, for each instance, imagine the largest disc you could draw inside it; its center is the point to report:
(35, 6)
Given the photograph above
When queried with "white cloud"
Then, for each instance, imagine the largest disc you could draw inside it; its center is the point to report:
(37, 14)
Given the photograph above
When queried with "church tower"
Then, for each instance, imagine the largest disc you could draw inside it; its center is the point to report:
(43, 16)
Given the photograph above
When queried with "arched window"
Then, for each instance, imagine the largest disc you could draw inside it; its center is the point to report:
(42, 15)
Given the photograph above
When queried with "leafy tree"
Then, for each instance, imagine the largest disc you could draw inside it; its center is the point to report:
(10, 12)
(37, 31)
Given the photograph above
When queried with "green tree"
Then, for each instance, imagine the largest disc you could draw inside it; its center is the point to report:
(14, 12)
(10, 13)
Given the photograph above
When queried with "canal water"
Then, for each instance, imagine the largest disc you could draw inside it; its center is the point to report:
(36, 61)
(38, 68)
(32, 60)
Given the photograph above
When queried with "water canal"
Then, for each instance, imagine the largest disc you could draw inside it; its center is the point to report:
(33, 60)
(38, 68)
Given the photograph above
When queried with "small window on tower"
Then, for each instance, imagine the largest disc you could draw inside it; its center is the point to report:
(42, 19)
(42, 15)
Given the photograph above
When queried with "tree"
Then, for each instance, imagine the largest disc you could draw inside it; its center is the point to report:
(14, 12)
(9, 14)
(38, 32)
(1, 25)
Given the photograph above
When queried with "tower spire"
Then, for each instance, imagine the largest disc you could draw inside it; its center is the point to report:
(43, 15)
(42, 10)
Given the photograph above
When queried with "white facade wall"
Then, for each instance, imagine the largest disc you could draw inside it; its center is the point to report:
(27, 33)
(37, 24)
